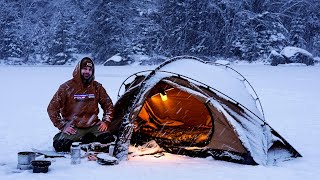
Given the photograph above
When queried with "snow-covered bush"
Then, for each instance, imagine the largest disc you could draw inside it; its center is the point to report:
(154, 60)
(297, 55)
(117, 60)
(291, 54)
(275, 58)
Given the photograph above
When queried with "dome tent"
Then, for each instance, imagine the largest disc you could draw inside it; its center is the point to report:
(213, 112)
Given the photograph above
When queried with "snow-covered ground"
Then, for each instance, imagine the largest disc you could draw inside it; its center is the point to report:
(289, 95)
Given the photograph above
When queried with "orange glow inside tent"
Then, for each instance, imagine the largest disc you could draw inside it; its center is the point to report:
(180, 119)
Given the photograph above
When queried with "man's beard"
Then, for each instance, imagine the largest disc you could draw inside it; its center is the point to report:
(86, 78)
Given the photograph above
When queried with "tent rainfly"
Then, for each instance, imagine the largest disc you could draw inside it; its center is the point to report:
(213, 111)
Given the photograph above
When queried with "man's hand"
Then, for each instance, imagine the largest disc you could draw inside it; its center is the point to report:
(103, 126)
(69, 130)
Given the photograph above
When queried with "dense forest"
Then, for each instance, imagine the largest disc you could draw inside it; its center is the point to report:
(51, 32)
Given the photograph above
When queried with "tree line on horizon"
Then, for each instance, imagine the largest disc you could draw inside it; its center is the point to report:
(52, 31)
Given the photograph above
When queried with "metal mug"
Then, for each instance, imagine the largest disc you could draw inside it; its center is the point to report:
(24, 160)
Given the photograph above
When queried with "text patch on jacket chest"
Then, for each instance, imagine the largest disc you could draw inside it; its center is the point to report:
(83, 97)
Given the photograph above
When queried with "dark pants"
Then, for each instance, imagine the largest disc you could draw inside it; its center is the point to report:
(63, 141)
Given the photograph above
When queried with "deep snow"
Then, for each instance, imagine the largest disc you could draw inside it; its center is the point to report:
(289, 96)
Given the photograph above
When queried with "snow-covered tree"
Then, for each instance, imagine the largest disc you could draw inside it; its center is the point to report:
(249, 29)
(256, 35)
(11, 43)
(312, 33)
(191, 27)
(316, 45)
(297, 32)
(63, 41)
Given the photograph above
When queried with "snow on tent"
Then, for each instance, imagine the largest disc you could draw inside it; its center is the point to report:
(197, 109)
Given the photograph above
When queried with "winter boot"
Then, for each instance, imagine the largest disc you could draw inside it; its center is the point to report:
(62, 145)
(88, 138)
(105, 138)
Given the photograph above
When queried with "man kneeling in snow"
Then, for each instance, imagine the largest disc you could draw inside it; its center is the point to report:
(74, 109)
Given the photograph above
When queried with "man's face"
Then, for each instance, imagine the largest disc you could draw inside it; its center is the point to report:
(86, 72)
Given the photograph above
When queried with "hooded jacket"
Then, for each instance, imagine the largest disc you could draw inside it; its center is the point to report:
(76, 103)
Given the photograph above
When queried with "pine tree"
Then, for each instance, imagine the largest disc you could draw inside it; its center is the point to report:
(298, 29)
(112, 33)
(63, 42)
(190, 27)
(11, 44)
(257, 35)
(316, 44)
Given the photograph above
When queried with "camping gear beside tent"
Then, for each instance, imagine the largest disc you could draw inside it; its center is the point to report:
(213, 111)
